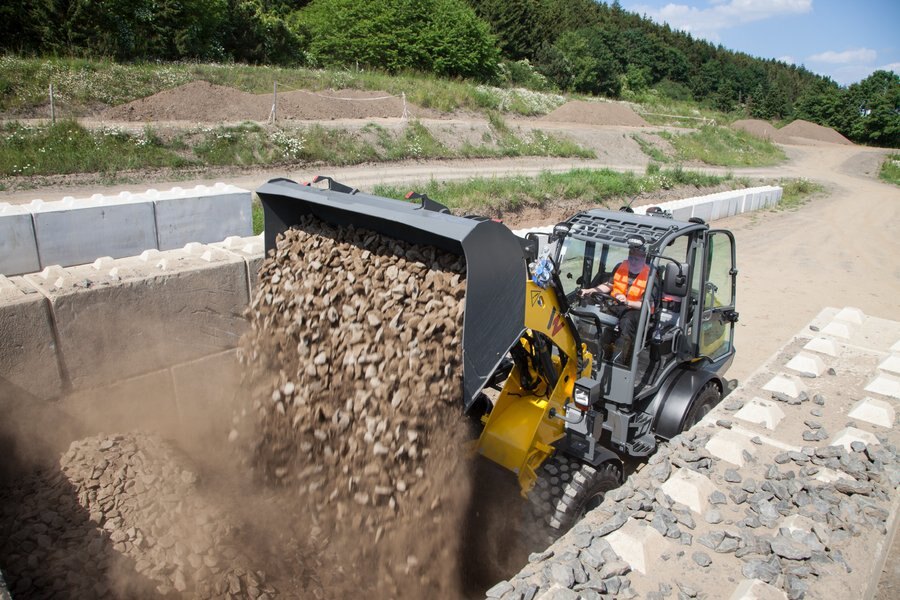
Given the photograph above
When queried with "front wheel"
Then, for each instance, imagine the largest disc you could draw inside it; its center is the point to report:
(707, 398)
(565, 490)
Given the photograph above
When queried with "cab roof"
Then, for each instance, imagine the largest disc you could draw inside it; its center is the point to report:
(615, 227)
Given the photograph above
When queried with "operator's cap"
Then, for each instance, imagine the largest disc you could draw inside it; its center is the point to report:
(637, 242)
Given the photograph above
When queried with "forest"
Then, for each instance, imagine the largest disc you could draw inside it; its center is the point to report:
(576, 46)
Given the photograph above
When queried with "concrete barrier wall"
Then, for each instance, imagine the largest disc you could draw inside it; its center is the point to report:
(89, 326)
(709, 208)
(77, 231)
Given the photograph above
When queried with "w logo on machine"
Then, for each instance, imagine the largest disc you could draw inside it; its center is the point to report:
(555, 323)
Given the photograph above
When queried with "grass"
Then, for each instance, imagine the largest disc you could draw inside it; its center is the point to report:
(492, 195)
(797, 192)
(890, 169)
(67, 147)
(650, 150)
(81, 85)
(722, 146)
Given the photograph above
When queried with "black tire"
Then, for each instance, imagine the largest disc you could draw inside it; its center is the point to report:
(705, 400)
(564, 491)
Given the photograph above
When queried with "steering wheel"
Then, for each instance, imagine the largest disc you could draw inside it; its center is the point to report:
(602, 296)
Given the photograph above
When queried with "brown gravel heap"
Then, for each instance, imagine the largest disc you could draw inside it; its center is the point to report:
(596, 113)
(807, 132)
(354, 351)
(757, 127)
(121, 518)
(204, 102)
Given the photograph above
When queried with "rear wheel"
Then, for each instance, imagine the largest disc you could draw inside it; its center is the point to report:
(706, 399)
(565, 490)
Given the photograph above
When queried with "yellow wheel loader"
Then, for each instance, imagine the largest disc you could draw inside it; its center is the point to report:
(561, 400)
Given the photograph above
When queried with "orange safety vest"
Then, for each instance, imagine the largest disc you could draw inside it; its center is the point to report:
(634, 292)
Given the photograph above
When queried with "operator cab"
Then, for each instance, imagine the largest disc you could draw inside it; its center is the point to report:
(681, 256)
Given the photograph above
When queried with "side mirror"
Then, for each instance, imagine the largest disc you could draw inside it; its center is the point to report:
(675, 280)
(560, 231)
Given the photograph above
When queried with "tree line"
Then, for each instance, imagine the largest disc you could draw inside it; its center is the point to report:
(578, 46)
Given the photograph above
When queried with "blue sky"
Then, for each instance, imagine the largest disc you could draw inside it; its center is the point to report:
(843, 39)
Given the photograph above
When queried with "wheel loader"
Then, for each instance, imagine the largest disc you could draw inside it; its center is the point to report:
(558, 401)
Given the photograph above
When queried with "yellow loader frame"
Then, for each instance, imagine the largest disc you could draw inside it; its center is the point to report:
(519, 432)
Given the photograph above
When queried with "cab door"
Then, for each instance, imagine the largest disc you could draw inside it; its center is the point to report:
(717, 297)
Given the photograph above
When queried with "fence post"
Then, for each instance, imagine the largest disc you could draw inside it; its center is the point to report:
(274, 101)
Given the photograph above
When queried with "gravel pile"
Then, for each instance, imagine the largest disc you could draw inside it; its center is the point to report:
(354, 353)
(596, 113)
(791, 558)
(809, 132)
(200, 101)
(121, 518)
(757, 127)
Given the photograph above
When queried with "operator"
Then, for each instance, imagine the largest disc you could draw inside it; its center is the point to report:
(627, 287)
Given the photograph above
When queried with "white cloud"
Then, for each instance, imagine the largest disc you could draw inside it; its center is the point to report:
(895, 67)
(787, 59)
(847, 57)
(724, 14)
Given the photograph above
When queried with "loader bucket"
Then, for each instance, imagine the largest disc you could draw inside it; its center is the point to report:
(495, 259)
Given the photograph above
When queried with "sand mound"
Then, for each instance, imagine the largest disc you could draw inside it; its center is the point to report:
(596, 113)
(195, 101)
(200, 101)
(757, 127)
(355, 351)
(805, 130)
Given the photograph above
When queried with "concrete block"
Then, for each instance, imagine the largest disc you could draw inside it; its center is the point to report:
(703, 209)
(28, 359)
(754, 589)
(891, 364)
(884, 384)
(689, 488)
(840, 329)
(146, 402)
(18, 247)
(638, 545)
(876, 412)
(201, 214)
(848, 435)
(73, 232)
(822, 346)
(896, 346)
(252, 250)
(788, 385)
(807, 364)
(763, 412)
(145, 313)
(851, 315)
(682, 213)
(729, 446)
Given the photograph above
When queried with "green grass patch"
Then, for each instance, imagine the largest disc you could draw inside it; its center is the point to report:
(650, 150)
(797, 192)
(491, 195)
(890, 169)
(722, 146)
(67, 147)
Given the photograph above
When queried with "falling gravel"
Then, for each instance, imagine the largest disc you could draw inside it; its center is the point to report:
(354, 355)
